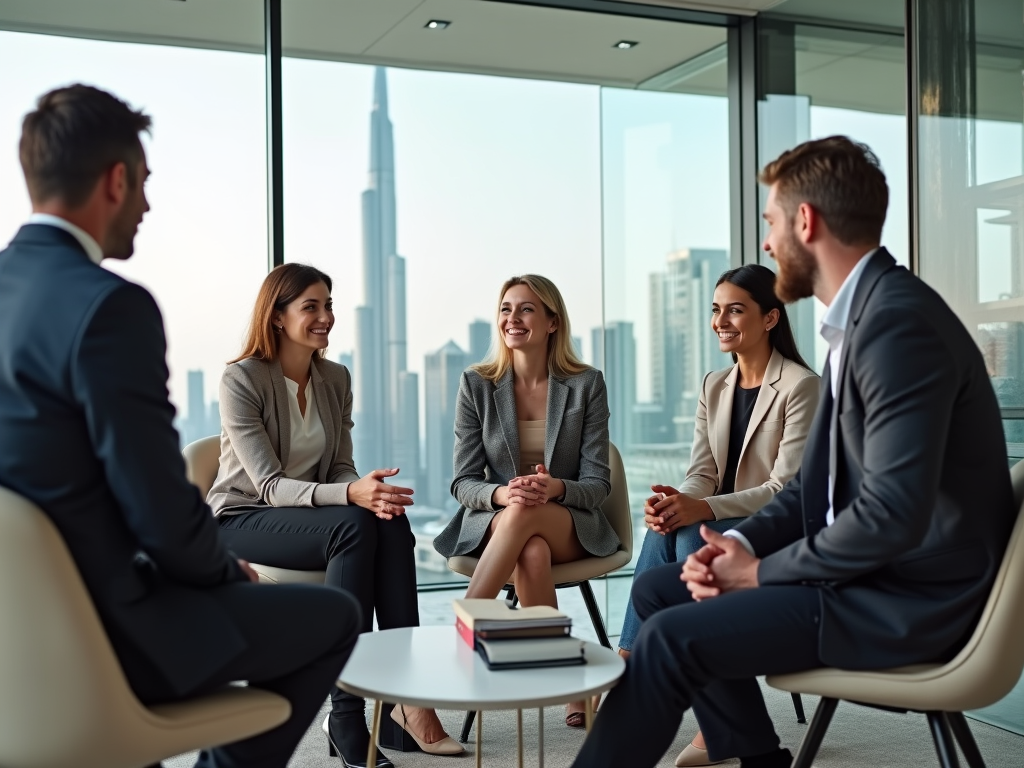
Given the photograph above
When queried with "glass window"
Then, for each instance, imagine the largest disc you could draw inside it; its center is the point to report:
(971, 189)
(420, 193)
(821, 81)
(665, 182)
(202, 249)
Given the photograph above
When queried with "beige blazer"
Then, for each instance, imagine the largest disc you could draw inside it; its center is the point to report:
(256, 434)
(772, 447)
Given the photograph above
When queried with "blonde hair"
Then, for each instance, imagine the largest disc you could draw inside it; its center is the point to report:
(562, 358)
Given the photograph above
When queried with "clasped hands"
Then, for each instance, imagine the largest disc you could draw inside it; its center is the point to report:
(530, 490)
(669, 509)
(722, 565)
(384, 500)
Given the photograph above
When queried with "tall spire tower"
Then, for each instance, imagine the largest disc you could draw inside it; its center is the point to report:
(382, 384)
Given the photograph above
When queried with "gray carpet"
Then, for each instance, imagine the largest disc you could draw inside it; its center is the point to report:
(857, 737)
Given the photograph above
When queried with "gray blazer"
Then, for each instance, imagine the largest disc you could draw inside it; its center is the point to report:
(922, 497)
(256, 433)
(487, 456)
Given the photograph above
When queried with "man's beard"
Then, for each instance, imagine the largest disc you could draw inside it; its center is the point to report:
(798, 271)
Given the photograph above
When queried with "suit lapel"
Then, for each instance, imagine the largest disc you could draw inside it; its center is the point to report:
(720, 417)
(558, 396)
(325, 406)
(284, 422)
(765, 397)
(505, 407)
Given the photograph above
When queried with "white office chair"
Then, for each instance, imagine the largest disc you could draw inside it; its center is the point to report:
(982, 673)
(64, 698)
(202, 459)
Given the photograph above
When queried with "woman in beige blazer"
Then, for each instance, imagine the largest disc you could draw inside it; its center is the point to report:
(287, 493)
(751, 425)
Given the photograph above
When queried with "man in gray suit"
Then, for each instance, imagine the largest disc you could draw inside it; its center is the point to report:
(882, 550)
(86, 433)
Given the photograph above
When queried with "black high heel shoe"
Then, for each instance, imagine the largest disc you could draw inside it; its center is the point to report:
(357, 753)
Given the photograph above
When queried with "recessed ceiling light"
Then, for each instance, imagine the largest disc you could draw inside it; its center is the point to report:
(626, 44)
(437, 24)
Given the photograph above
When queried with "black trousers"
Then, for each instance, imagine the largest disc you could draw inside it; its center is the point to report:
(704, 655)
(299, 638)
(370, 558)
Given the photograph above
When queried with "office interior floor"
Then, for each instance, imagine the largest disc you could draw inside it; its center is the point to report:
(858, 736)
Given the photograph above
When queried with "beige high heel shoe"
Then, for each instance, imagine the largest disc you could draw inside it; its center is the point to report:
(446, 746)
(694, 756)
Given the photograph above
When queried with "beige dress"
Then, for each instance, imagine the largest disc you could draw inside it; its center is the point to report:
(531, 446)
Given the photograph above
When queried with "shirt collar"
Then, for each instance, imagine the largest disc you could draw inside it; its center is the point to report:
(91, 247)
(837, 316)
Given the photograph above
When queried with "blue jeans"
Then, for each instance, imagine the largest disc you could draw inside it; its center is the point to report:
(658, 550)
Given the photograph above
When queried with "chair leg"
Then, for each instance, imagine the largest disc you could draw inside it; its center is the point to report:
(942, 735)
(798, 705)
(815, 733)
(962, 732)
(595, 613)
(467, 724)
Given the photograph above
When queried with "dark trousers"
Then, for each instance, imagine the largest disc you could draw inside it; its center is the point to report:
(299, 638)
(370, 558)
(704, 655)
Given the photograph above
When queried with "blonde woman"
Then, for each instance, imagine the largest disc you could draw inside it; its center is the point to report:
(531, 454)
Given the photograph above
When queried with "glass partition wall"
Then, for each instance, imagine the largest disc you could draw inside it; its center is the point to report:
(970, 129)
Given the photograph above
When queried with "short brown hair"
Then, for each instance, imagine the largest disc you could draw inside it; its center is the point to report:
(841, 179)
(283, 285)
(73, 137)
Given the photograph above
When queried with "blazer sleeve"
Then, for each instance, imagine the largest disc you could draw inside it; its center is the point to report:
(241, 412)
(343, 471)
(702, 479)
(907, 380)
(470, 485)
(119, 377)
(594, 483)
(800, 407)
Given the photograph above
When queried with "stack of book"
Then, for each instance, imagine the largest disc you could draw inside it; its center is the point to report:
(517, 638)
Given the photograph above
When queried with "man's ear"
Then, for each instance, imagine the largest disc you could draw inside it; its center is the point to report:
(808, 223)
(115, 183)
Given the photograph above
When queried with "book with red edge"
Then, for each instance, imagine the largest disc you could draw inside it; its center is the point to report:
(472, 638)
(496, 619)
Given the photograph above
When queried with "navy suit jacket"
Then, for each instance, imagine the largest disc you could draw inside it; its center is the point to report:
(922, 500)
(86, 433)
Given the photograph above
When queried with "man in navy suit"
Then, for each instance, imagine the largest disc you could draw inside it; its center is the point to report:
(86, 433)
(882, 550)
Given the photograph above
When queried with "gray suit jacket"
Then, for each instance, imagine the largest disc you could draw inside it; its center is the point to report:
(922, 500)
(256, 433)
(487, 456)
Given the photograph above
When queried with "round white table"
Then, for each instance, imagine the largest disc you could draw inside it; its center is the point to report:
(434, 667)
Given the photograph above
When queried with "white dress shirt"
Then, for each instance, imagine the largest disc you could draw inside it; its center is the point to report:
(92, 248)
(308, 441)
(833, 330)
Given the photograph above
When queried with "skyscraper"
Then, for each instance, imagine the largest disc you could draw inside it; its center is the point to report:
(442, 371)
(479, 340)
(379, 359)
(615, 355)
(194, 425)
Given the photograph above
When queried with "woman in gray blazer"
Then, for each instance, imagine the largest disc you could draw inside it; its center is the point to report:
(748, 440)
(287, 493)
(531, 453)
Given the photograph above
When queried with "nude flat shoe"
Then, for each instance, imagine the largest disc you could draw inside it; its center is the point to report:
(446, 746)
(693, 756)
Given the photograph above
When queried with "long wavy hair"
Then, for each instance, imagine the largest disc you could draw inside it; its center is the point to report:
(283, 285)
(759, 282)
(562, 359)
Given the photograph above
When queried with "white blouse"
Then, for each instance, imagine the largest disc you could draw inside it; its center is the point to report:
(308, 441)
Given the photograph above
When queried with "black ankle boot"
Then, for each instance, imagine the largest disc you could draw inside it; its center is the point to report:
(349, 739)
(778, 758)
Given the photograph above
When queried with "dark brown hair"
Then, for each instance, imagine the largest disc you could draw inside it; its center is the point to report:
(74, 136)
(280, 288)
(841, 179)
